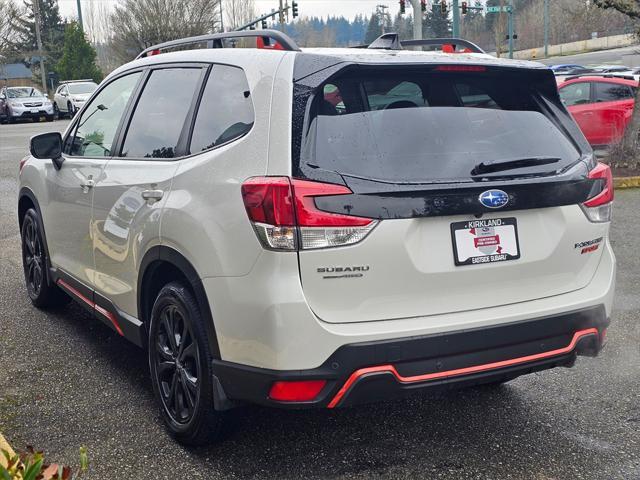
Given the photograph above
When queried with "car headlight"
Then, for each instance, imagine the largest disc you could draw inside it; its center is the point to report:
(15, 104)
(47, 103)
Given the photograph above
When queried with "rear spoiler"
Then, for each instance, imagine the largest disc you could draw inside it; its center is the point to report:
(391, 41)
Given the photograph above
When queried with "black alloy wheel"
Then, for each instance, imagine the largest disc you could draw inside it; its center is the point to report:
(42, 292)
(33, 258)
(180, 362)
(177, 364)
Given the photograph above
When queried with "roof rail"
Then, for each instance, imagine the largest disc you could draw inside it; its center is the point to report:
(76, 81)
(216, 40)
(596, 74)
(391, 41)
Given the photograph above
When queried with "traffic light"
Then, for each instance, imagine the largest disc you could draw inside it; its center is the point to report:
(465, 8)
(264, 24)
(294, 8)
(423, 5)
(402, 7)
(443, 7)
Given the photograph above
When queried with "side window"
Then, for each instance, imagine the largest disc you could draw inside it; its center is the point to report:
(161, 112)
(96, 129)
(226, 109)
(576, 94)
(611, 92)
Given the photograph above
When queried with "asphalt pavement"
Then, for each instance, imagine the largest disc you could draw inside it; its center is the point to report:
(68, 381)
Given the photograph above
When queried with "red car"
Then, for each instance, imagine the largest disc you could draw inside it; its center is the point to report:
(601, 106)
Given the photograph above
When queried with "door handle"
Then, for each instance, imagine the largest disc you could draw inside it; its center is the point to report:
(152, 195)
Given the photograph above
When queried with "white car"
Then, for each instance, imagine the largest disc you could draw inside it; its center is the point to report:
(24, 103)
(319, 228)
(71, 96)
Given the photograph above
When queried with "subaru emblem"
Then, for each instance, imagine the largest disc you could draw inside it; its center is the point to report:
(494, 198)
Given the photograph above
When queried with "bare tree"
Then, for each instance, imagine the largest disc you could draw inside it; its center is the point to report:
(238, 13)
(9, 13)
(138, 24)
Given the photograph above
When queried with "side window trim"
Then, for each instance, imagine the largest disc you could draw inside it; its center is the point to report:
(184, 141)
(123, 128)
(74, 126)
(128, 113)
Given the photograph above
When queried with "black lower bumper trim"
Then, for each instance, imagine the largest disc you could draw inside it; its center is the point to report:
(536, 345)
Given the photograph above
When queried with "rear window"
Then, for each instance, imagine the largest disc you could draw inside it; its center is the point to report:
(421, 127)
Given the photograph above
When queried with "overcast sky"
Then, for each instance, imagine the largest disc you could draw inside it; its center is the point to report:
(320, 8)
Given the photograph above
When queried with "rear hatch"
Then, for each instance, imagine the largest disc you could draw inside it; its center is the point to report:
(474, 178)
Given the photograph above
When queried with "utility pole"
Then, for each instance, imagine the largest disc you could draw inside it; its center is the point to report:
(281, 15)
(456, 19)
(382, 15)
(36, 15)
(546, 28)
(80, 16)
(417, 19)
(510, 28)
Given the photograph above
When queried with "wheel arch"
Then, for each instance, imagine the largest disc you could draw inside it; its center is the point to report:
(161, 265)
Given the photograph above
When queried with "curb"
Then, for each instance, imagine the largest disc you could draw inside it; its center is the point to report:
(4, 445)
(626, 182)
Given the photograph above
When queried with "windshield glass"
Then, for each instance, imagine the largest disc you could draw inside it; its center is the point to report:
(23, 92)
(80, 88)
(422, 128)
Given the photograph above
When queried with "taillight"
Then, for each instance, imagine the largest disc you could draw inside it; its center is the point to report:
(296, 391)
(599, 207)
(285, 216)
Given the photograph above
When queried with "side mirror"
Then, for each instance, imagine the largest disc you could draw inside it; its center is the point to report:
(48, 146)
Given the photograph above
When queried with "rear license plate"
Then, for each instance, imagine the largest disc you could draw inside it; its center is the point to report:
(485, 241)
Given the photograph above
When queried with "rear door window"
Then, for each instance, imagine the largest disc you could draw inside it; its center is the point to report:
(612, 92)
(160, 113)
(576, 94)
(226, 109)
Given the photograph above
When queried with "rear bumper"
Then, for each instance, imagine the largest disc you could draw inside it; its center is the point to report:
(371, 371)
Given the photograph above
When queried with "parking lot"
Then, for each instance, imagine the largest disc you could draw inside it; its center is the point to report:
(68, 381)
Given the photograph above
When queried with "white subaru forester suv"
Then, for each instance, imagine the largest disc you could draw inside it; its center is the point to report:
(323, 227)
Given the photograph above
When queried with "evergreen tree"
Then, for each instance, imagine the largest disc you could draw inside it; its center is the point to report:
(51, 30)
(374, 29)
(78, 56)
(436, 24)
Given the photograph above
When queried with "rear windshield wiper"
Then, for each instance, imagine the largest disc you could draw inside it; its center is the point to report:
(512, 164)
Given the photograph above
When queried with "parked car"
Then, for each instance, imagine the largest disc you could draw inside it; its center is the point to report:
(609, 69)
(319, 228)
(70, 96)
(601, 106)
(19, 103)
(632, 72)
(568, 69)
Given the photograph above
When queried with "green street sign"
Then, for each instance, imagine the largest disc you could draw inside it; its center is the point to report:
(506, 8)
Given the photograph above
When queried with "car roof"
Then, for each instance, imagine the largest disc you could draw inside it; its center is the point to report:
(597, 78)
(324, 56)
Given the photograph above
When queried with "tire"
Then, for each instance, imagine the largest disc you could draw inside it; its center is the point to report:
(181, 368)
(42, 292)
(49, 118)
(70, 110)
(56, 111)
